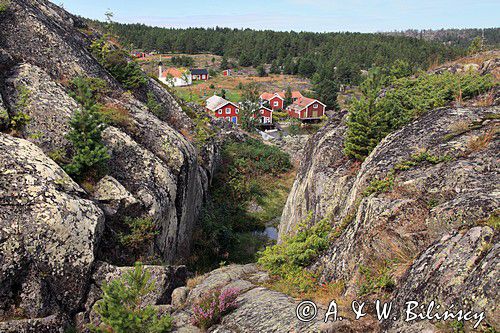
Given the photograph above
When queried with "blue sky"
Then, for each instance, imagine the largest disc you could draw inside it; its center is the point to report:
(299, 15)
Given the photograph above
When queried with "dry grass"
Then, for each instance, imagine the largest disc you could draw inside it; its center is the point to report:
(487, 99)
(194, 281)
(117, 115)
(480, 142)
(459, 127)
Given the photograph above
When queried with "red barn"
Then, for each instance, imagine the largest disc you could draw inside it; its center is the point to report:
(221, 108)
(265, 115)
(306, 108)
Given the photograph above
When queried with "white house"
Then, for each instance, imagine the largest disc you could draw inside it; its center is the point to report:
(175, 77)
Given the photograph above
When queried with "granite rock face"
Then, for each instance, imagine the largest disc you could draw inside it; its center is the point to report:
(48, 233)
(440, 176)
(30, 90)
(51, 229)
(460, 269)
(45, 47)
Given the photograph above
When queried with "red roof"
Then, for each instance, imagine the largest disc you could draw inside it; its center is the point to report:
(295, 94)
(174, 72)
(302, 103)
(266, 96)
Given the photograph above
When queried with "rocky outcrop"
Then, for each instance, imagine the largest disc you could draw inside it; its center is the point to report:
(322, 181)
(461, 269)
(52, 230)
(48, 234)
(46, 47)
(259, 309)
(434, 177)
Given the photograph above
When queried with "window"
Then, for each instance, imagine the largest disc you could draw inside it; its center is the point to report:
(220, 111)
(228, 110)
(228, 118)
(261, 111)
(315, 106)
(276, 103)
(203, 77)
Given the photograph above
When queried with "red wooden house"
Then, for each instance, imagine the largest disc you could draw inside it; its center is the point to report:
(199, 74)
(221, 108)
(306, 109)
(264, 115)
(226, 72)
(277, 100)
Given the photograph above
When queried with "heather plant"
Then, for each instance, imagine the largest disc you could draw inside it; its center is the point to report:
(211, 308)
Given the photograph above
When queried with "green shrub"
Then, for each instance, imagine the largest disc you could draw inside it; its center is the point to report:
(20, 118)
(374, 116)
(128, 73)
(419, 158)
(142, 232)
(153, 105)
(380, 185)
(4, 5)
(121, 308)
(288, 259)
(87, 91)
(86, 127)
(376, 280)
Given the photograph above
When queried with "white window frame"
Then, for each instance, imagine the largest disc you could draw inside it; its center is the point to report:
(220, 111)
(315, 106)
(228, 110)
(276, 103)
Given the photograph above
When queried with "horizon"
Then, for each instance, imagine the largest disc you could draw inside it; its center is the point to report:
(315, 16)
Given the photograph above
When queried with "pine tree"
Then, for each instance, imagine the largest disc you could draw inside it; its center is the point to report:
(368, 122)
(261, 71)
(275, 68)
(288, 97)
(224, 64)
(90, 154)
(121, 308)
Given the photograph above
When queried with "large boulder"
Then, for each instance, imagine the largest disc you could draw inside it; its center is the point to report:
(114, 199)
(48, 234)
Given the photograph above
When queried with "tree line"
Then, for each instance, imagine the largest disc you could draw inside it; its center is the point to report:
(303, 53)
